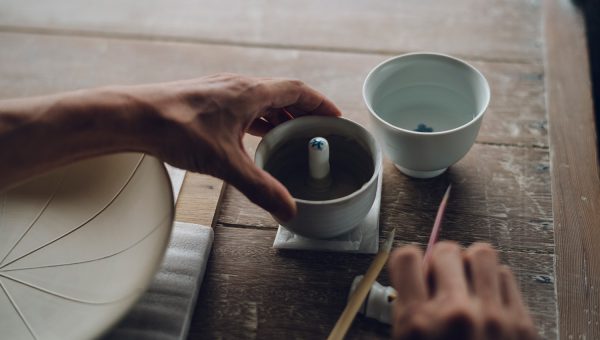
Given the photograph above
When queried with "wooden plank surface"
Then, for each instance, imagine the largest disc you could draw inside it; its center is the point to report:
(253, 291)
(518, 119)
(500, 194)
(575, 181)
(199, 199)
(502, 188)
(508, 30)
(503, 182)
(516, 114)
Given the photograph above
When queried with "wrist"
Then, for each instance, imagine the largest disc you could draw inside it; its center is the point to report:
(145, 112)
(114, 119)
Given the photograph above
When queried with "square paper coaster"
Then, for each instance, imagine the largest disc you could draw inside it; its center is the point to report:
(362, 239)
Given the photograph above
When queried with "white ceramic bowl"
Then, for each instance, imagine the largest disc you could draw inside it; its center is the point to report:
(426, 110)
(333, 217)
(79, 245)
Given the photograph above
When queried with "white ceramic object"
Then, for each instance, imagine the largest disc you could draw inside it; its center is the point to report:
(426, 110)
(318, 158)
(332, 217)
(379, 302)
(80, 244)
(364, 239)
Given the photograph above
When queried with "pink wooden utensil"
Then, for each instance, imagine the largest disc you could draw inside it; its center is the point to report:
(435, 231)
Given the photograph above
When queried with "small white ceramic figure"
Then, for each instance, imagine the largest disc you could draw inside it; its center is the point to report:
(318, 158)
(379, 302)
(318, 164)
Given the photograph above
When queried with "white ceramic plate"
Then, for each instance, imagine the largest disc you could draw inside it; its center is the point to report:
(79, 245)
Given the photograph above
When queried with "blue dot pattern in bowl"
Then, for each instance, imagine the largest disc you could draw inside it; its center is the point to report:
(423, 128)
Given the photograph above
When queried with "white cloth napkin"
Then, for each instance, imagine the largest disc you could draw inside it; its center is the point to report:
(362, 239)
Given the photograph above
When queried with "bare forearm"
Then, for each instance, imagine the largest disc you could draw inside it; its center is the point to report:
(195, 124)
(38, 134)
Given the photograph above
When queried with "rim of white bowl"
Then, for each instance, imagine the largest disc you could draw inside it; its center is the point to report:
(376, 169)
(440, 56)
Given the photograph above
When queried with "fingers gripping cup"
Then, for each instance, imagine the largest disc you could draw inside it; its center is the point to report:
(426, 110)
(331, 167)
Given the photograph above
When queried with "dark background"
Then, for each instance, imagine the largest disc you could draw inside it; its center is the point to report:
(591, 10)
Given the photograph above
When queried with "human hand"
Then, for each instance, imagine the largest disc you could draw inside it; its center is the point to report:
(206, 119)
(458, 294)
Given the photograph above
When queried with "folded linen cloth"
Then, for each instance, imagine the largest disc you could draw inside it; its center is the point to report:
(165, 310)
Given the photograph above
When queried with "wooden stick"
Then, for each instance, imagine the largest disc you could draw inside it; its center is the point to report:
(343, 324)
(361, 292)
(435, 231)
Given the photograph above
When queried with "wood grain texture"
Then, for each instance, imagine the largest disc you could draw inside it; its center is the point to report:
(508, 30)
(500, 195)
(502, 187)
(30, 65)
(199, 199)
(254, 291)
(575, 181)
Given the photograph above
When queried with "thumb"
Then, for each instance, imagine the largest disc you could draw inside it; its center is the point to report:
(261, 188)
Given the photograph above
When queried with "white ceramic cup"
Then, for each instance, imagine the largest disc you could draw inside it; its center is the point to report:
(426, 110)
(332, 217)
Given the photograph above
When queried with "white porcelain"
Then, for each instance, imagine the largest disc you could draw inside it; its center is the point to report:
(423, 91)
(326, 218)
(363, 239)
(80, 244)
(379, 303)
(318, 158)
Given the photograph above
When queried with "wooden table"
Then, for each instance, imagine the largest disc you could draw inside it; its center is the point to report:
(530, 184)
